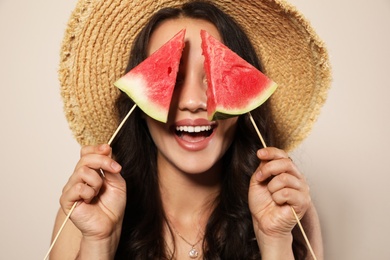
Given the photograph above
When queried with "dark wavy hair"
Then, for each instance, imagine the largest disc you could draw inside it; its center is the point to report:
(229, 232)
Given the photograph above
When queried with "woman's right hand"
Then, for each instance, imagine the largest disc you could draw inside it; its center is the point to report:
(101, 200)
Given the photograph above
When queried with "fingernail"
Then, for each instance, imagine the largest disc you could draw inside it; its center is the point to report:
(262, 153)
(101, 147)
(259, 175)
(115, 166)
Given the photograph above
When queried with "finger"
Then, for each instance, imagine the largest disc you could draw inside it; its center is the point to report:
(271, 153)
(85, 175)
(90, 165)
(78, 192)
(300, 201)
(103, 149)
(276, 167)
(97, 162)
(285, 180)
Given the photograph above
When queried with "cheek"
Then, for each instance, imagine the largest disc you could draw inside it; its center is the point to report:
(156, 129)
(227, 129)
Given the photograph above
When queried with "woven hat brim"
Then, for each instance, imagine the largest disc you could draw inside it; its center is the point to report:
(97, 42)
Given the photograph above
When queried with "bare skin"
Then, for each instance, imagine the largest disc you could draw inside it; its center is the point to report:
(187, 186)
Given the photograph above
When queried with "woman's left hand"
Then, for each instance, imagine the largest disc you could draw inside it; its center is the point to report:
(275, 187)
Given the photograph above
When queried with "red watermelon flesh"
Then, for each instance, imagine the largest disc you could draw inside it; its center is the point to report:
(151, 83)
(234, 86)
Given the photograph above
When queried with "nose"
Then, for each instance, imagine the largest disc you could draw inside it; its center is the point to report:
(191, 93)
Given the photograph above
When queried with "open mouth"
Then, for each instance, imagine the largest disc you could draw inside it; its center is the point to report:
(194, 133)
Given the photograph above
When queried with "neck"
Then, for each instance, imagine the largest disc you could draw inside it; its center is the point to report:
(188, 199)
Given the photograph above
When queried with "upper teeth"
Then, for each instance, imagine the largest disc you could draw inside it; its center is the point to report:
(193, 129)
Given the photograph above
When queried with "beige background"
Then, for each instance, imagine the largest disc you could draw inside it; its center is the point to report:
(346, 158)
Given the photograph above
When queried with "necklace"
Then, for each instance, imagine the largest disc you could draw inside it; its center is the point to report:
(193, 253)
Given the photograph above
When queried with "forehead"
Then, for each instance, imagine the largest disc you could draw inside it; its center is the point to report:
(167, 29)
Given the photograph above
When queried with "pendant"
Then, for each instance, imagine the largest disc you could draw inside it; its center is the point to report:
(193, 253)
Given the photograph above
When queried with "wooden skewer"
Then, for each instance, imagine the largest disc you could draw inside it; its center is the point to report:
(101, 172)
(292, 209)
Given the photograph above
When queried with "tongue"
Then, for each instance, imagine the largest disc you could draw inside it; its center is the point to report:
(193, 137)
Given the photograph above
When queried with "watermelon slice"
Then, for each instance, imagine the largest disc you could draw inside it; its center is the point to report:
(151, 83)
(234, 87)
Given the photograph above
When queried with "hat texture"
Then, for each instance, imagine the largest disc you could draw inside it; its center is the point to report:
(96, 46)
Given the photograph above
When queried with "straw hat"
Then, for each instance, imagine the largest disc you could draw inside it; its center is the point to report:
(96, 46)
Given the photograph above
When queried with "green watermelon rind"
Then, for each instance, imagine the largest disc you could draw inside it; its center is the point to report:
(137, 83)
(221, 113)
(223, 68)
(151, 83)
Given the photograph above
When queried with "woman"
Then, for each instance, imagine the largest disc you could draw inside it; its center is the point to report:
(173, 194)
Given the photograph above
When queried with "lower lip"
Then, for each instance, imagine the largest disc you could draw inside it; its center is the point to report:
(194, 146)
